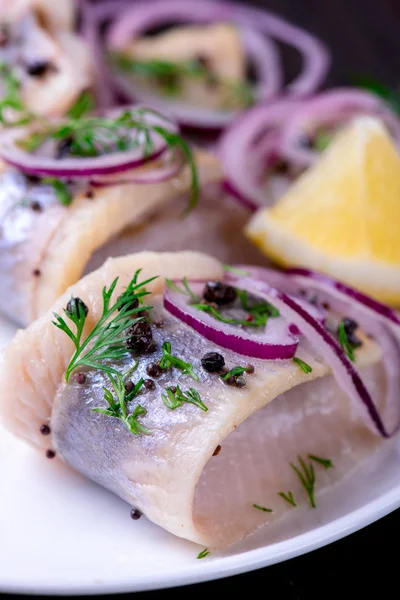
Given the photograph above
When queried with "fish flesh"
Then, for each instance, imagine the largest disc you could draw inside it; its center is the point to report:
(52, 64)
(199, 473)
(218, 47)
(45, 246)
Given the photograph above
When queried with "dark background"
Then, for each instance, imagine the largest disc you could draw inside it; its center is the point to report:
(364, 38)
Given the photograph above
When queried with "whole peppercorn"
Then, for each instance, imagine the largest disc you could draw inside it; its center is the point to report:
(81, 378)
(219, 293)
(140, 337)
(131, 306)
(38, 68)
(129, 385)
(149, 384)
(350, 327)
(50, 454)
(240, 382)
(76, 306)
(213, 362)
(135, 514)
(45, 430)
(153, 370)
(36, 206)
(250, 369)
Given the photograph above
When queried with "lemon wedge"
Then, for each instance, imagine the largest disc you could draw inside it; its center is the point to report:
(342, 216)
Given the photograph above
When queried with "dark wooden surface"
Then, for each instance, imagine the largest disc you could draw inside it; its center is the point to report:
(364, 38)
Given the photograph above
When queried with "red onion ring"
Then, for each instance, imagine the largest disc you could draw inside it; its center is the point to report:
(276, 343)
(343, 370)
(245, 162)
(155, 175)
(330, 108)
(81, 167)
(143, 15)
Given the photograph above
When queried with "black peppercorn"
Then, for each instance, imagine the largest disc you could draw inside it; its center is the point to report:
(135, 514)
(36, 272)
(132, 305)
(89, 194)
(250, 369)
(76, 306)
(64, 147)
(219, 293)
(50, 454)
(45, 430)
(217, 450)
(149, 384)
(240, 382)
(350, 327)
(81, 378)
(38, 68)
(213, 362)
(140, 337)
(154, 370)
(129, 385)
(36, 206)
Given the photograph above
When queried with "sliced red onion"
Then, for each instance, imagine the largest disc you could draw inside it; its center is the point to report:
(275, 343)
(144, 15)
(157, 174)
(244, 149)
(364, 304)
(331, 108)
(83, 167)
(343, 370)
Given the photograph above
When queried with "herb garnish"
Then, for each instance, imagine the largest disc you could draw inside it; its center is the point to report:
(118, 408)
(169, 360)
(106, 340)
(175, 398)
(84, 104)
(306, 475)
(235, 372)
(61, 190)
(203, 553)
(186, 291)
(288, 497)
(214, 312)
(260, 311)
(303, 365)
(235, 270)
(169, 76)
(11, 97)
(345, 343)
(327, 463)
(262, 508)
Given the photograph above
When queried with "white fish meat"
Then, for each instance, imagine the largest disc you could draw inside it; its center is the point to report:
(172, 475)
(45, 246)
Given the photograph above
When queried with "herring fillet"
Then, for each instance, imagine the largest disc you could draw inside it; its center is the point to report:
(58, 243)
(171, 475)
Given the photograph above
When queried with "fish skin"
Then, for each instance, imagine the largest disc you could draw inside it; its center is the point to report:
(61, 245)
(32, 366)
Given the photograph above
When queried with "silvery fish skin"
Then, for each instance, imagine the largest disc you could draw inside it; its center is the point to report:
(29, 214)
(171, 474)
(58, 241)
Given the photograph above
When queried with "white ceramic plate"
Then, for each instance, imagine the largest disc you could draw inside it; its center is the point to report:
(62, 534)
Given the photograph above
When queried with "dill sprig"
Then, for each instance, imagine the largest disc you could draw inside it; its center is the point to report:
(175, 398)
(289, 498)
(170, 360)
(203, 553)
(83, 105)
(214, 312)
(306, 475)
(235, 372)
(235, 271)
(106, 340)
(345, 343)
(11, 97)
(61, 190)
(118, 409)
(263, 508)
(260, 311)
(327, 463)
(186, 291)
(303, 365)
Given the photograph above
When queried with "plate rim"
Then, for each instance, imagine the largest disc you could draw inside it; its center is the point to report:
(225, 566)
